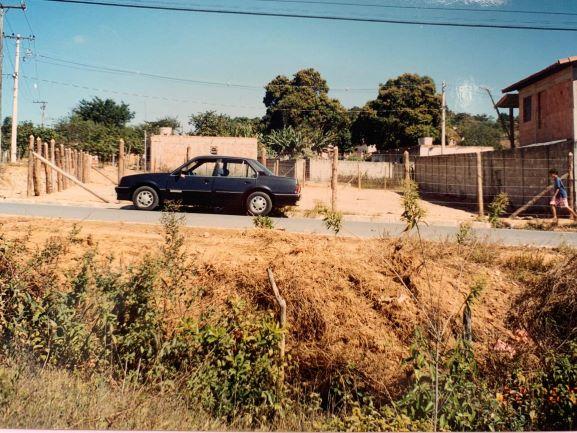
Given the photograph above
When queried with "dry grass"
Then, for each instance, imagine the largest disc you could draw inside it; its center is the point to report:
(548, 309)
(349, 301)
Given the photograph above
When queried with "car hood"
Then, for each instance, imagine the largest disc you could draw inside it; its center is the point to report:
(158, 178)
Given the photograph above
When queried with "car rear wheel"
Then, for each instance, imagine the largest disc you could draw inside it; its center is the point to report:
(259, 203)
(145, 198)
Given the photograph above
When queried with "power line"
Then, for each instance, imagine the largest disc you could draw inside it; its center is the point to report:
(118, 71)
(181, 100)
(429, 8)
(316, 17)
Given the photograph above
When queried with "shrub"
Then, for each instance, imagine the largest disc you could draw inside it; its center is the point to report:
(497, 208)
(263, 222)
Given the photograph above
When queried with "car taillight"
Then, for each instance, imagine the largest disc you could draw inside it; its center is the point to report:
(298, 189)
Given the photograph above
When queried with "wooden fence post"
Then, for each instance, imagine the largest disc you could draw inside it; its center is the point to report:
(480, 200)
(38, 168)
(276, 167)
(62, 166)
(52, 147)
(334, 178)
(188, 153)
(359, 185)
(47, 169)
(58, 163)
(66, 166)
(120, 159)
(571, 181)
(262, 156)
(30, 186)
(87, 165)
(406, 166)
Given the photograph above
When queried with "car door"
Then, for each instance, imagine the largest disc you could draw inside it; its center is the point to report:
(237, 177)
(193, 185)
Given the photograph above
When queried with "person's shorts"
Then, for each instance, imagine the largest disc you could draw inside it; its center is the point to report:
(559, 202)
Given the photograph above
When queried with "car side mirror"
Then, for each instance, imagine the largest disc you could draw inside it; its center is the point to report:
(182, 173)
(262, 173)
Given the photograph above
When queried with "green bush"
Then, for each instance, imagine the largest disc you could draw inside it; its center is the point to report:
(237, 365)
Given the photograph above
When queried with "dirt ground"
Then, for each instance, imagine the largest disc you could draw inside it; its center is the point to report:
(350, 302)
(355, 204)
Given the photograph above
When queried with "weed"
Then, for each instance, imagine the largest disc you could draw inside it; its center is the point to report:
(263, 222)
(465, 236)
(413, 214)
(333, 221)
(497, 208)
(320, 208)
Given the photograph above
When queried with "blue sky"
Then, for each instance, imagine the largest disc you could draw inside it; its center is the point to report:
(253, 50)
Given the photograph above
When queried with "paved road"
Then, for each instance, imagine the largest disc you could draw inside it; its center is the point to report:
(297, 225)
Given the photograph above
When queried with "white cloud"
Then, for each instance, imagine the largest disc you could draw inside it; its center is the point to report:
(78, 39)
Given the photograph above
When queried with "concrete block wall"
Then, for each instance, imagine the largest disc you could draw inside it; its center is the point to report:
(522, 173)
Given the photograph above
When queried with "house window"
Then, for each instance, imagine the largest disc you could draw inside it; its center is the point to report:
(527, 108)
(539, 109)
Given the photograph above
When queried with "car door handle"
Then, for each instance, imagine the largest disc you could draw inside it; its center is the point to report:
(248, 182)
(206, 181)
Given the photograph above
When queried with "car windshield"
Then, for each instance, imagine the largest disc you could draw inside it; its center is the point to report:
(261, 167)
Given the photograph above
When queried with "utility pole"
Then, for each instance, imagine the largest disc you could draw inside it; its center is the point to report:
(42, 110)
(443, 118)
(14, 134)
(3, 9)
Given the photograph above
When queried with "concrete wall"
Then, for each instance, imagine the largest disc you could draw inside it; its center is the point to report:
(167, 152)
(373, 174)
(522, 173)
(555, 104)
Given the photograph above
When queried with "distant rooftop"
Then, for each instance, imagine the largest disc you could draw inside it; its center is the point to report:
(549, 70)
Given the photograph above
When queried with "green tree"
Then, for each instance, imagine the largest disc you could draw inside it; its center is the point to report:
(211, 123)
(104, 111)
(407, 107)
(154, 126)
(476, 130)
(302, 102)
(98, 138)
(25, 130)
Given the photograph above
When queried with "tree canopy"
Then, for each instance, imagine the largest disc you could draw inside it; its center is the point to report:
(302, 103)
(211, 123)
(407, 107)
(104, 111)
(476, 130)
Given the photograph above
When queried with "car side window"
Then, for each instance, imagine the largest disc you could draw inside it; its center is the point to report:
(239, 169)
(205, 168)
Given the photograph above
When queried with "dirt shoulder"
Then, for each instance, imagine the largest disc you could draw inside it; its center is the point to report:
(350, 302)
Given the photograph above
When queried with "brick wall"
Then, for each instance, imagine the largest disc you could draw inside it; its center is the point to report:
(552, 97)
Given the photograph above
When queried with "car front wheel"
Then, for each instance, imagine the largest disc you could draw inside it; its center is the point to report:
(145, 198)
(259, 203)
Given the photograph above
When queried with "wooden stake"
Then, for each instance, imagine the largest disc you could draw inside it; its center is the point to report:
(58, 162)
(188, 153)
(120, 159)
(37, 168)
(72, 178)
(52, 147)
(63, 180)
(406, 165)
(47, 170)
(359, 175)
(80, 164)
(480, 199)
(571, 181)
(334, 178)
(66, 166)
(282, 305)
(30, 186)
